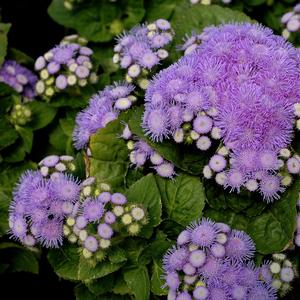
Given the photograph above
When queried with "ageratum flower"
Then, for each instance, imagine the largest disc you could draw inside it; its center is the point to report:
(19, 78)
(240, 85)
(142, 48)
(41, 201)
(211, 261)
(103, 108)
(65, 65)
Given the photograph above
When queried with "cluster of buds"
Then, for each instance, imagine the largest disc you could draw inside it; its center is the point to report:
(74, 39)
(100, 215)
(199, 130)
(281, 271)
(291, 21)
(141, 154)
(19, 78)
(65, 65)
(142, 48)
(20, 114)
(55, 163)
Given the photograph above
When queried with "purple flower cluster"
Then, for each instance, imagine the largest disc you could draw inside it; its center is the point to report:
(50, 204)
(19, 78)
(142, 47)
(103, 108)
(240, 86)
(212, 261)
(291, 21)
(41, 202)
(280, 271)
(108, 213)
(64, 66)
(141, 154)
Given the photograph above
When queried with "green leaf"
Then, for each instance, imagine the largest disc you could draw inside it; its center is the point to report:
(183, 198)
(98, 21)
(138, 282)
(194, 18)
(248, 202)
(102, 285)
(15, 153)
(81, 292)
(109, 161)
(273, 229)
(68, 264)
(58, 139)
(7, 133)
(156, 279)
(146, 193)
(18, 258)
(67, 125)
(187, 158)
(19, 56)
(42, 115)
(157, 9)
(117, 255)
(4, 28)
(27, 137)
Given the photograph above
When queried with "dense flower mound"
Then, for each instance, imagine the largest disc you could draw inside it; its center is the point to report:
(103, 108)
(141, 154)
(19, 78)
(212, 261)
(41, 201)
(291, 21)
(50, 204)
(66, 65)
(142, 48)
(241, 85)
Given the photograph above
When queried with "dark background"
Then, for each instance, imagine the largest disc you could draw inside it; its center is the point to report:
(32, 32)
